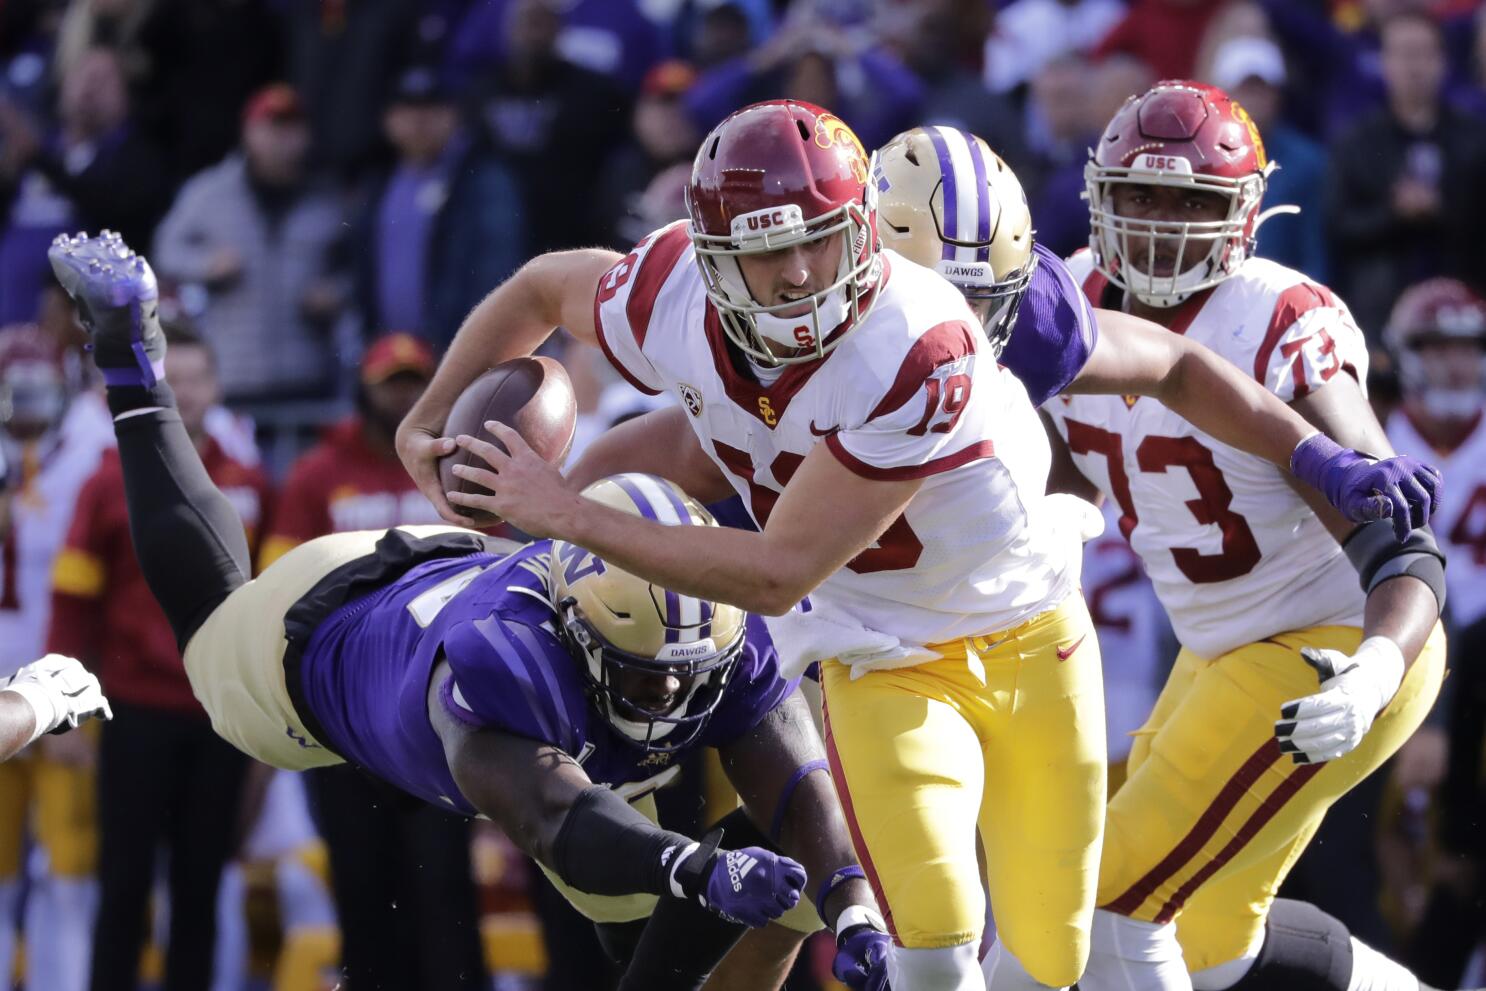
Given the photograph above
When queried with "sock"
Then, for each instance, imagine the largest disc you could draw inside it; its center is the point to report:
(1371, 971)
(950, 968)
(1129, 955)
(1004, 972)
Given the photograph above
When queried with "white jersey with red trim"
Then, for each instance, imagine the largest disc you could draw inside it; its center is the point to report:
(1235, 554)
(47, 477)
(1460, 522)
(903, 395)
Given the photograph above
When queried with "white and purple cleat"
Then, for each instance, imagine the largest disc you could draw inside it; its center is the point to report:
(118, 300)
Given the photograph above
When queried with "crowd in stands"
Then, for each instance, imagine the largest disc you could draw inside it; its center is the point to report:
(326, 187)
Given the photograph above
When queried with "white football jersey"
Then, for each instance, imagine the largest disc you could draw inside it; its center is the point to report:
(48, 477)
(1460, 522)
(1134, 636)
(1234, 552)
(904, 395)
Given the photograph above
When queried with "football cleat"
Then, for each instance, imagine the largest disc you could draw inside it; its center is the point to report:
(118, 300)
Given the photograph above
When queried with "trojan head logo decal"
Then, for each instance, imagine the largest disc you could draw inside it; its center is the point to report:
(831, 131)
(1242, 116)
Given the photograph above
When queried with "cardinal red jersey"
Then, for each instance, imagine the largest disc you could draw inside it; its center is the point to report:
(343, 484)
(102, 610)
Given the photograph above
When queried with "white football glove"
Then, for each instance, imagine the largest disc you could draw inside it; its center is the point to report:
(62, 693)
(1354, 689)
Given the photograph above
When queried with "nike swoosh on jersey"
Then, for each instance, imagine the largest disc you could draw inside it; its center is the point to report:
(823, 433)
(1066, 652)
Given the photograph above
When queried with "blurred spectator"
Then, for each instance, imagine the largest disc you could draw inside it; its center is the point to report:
(1028, 33)
(1472, 97)
(400, 871)
(1391, 223)
(1075, 102)
(548, 117)
(47, 794)
(343, 56)
(206, 58)
(256, 234)
(944, 42)
(73, 179)
(165, 779)
(1437, 331)
(662, 136)
(1164, 34)
(1252, 71)
(847, 70)
(114, 24)
(709, 32)
(610, 37)
(442, 228)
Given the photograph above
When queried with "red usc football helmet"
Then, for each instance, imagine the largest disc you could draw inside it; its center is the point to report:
(33, 382)
(1437, 331)
(1188, 135)
(770, 176)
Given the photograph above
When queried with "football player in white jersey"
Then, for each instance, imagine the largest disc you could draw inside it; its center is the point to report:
(898, 481)
(1437, 331)
(1293, 683)
(48, 794)
(921, 176)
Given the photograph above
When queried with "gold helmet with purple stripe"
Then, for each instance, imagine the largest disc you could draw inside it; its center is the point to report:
(947, 202)
(655, 662)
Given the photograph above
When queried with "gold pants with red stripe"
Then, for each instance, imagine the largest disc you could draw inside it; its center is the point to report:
(1213, 816)
(1003, 737)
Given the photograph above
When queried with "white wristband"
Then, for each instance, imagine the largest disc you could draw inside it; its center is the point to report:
(43, 707)
(680, 859)
(856, 915)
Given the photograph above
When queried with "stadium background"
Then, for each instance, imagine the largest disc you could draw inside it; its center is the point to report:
(310, 175)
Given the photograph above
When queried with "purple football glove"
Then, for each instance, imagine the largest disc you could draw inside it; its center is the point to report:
(750, 886)
(1401, 487)
(861, 958)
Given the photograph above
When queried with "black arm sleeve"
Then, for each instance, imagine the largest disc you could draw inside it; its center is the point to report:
(605, 847)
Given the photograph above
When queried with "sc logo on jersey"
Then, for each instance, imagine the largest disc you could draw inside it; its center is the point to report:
(691, 398)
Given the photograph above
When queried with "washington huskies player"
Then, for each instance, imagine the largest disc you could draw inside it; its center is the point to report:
(1292, 683)
(896, 479)
(540, 685)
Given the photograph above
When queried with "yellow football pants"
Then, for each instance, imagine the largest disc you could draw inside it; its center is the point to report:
(60, 802)
(1213, 816)
(1004, 736)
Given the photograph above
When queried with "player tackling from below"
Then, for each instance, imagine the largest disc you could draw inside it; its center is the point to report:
(540, 686)
(1293, 683)
(921, 175)
(52, 695)
(897, 478)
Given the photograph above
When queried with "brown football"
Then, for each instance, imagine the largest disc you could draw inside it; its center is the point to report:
(532, 396)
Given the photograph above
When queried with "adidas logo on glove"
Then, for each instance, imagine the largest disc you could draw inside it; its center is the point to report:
(739, 864)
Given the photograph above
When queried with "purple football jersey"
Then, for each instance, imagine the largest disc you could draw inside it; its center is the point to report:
(365, 676)
(1054, 332)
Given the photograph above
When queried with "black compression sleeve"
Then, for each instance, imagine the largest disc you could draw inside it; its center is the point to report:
(188, 538)
(605, 847)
